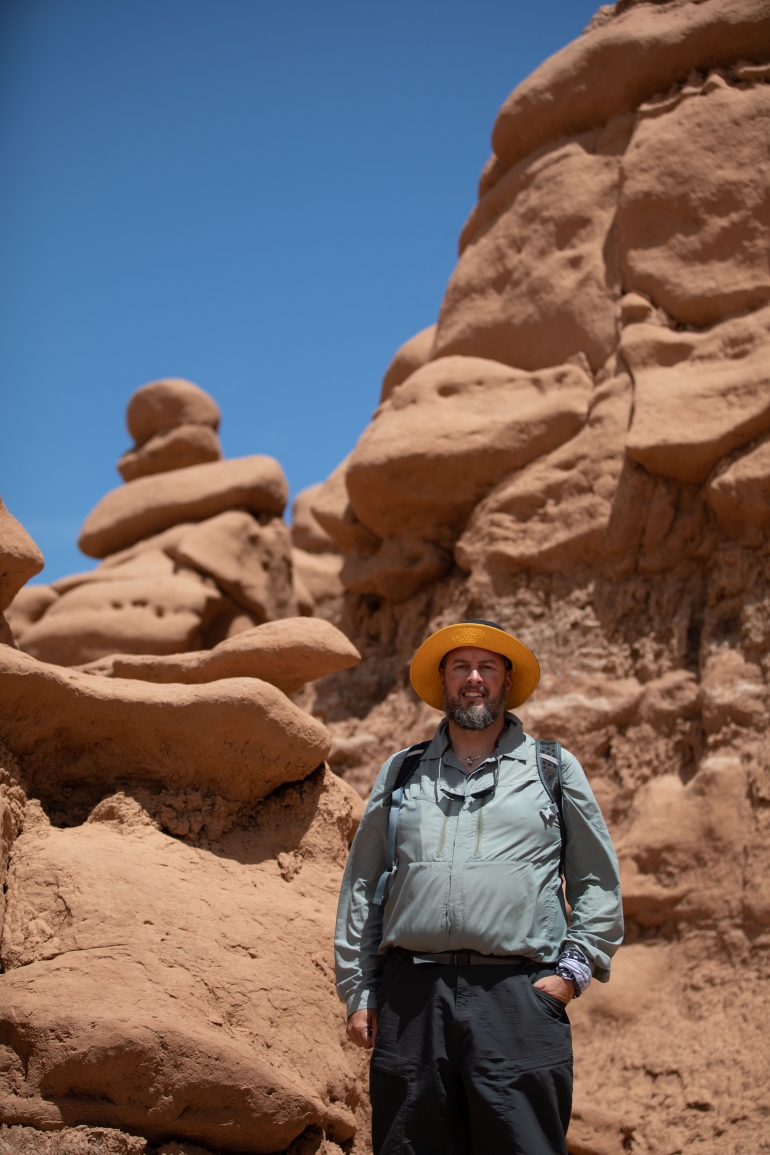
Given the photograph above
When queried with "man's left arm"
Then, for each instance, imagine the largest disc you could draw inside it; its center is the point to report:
(592, 883)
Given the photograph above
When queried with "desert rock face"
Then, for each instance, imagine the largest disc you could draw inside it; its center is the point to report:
(579, 449)
(620, 240)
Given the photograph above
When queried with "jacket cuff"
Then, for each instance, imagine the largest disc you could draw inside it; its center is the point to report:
(362, 1000)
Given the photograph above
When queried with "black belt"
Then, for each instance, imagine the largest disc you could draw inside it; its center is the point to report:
(465, 958)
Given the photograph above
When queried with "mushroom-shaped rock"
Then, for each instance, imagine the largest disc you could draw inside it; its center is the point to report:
(307, 533)
(248, 559)
(698, 395)
(151, 614)
(20, 558)
(163, 405)
(286, 653)
(447, 436)
(150, 505)
(410, 357)
(186, 445)
(239, 737)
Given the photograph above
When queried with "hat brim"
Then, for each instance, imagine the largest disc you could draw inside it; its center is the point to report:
(424, 670)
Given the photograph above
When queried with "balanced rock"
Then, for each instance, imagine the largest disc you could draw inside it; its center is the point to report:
(152, 614)
(702, 274)
(160, 406)
(251, 561)
(239, 738)
(447, 435)
(186, 445)
(307, 533)
(412, 355)
(20, 558)
(698, 395)
(150, 505)
(286, 653)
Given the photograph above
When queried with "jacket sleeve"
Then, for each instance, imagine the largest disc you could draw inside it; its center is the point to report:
(591, 872)
(358, 931)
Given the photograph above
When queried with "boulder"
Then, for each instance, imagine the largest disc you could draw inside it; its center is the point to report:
(201, 1010)
(287, 654)
(532, 288)
(180, 447)
(620, 62)
(449, 433)
(740, 494)
(412, 355)
(697, 395)
(28, 607)
(332, 509)
(250, 560)
(319, 574)
(163, 405)
(555, 513)
(694, 234)
(150, 505)
(397, 570)
(141, 615)
(307, 533)
(239, 738)
(20, 558)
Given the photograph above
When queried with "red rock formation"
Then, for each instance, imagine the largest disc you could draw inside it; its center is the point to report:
(578, 449)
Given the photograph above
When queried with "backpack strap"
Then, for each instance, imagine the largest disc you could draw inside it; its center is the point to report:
(548, 756)
(405, 771)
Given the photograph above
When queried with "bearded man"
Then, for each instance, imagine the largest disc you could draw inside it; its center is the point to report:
(456, 954)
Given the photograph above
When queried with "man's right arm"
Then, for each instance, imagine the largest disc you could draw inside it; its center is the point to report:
(359, 922)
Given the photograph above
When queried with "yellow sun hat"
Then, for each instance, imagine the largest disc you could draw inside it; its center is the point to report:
(424, 670)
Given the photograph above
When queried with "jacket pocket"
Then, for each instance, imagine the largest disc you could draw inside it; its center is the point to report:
(508, 904)
(416, 911)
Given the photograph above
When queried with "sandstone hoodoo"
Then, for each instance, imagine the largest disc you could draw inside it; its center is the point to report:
(578, 449)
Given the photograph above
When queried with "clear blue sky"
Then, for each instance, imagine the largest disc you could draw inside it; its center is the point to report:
(262, 197)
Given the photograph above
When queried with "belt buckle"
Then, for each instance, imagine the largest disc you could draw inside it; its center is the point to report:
(462, 959)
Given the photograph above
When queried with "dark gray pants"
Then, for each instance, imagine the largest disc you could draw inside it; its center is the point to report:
(469, 1061)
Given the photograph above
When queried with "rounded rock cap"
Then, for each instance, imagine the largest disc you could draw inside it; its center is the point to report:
(163, 405)
(424, 670)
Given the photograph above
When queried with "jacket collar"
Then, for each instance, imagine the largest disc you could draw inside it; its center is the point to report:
(512, 741)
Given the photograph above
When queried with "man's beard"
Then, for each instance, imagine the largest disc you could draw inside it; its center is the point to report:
(474, 717)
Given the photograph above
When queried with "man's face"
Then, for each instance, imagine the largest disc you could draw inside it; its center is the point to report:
(475, 684)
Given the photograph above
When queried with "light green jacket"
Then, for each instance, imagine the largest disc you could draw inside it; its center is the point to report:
(480, 874)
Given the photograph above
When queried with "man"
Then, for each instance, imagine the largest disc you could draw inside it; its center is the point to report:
(455, 952)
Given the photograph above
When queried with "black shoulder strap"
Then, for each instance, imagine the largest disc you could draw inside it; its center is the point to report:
(405, 771)
(548, 755)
